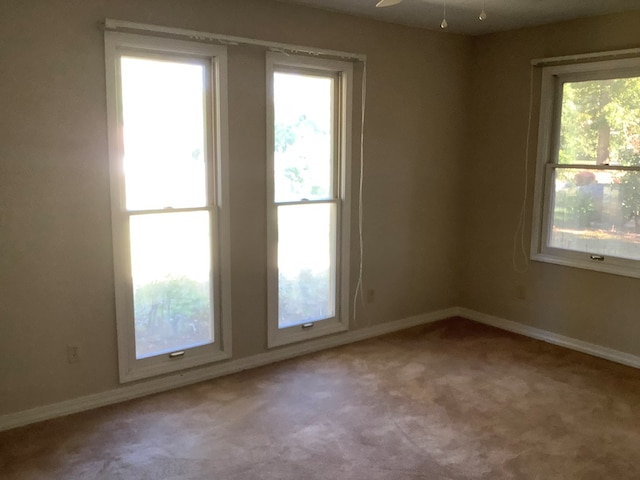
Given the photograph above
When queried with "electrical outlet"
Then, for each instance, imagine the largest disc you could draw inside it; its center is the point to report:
(73, 354)
(371, 295)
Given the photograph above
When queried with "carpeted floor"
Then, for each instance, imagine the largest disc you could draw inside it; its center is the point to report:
(452, 400)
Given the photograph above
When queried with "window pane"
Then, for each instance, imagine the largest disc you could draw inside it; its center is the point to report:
(597, 211)
(601, 122)
(303, 122)
(163, 128)
(306, 263)
(170, 258)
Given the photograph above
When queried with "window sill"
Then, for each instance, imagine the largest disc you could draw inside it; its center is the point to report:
(295, 334)
(582, 261)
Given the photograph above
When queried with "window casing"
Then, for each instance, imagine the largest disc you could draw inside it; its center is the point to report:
(166, 104)
(587, 195)
(308, 194)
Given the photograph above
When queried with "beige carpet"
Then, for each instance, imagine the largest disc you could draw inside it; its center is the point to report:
(452, 400)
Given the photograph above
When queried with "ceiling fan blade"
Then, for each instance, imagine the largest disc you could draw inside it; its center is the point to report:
(387, 3)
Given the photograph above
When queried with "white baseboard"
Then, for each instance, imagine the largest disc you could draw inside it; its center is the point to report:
(550, 337)
(147, 387)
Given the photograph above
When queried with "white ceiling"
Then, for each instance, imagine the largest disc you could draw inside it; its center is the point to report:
(462, 15)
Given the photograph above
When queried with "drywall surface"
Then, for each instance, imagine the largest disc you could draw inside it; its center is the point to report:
(56, 263)
(589, 306)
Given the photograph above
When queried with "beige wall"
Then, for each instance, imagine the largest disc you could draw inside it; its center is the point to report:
(445, 133)
(56, 281)
(589, 306)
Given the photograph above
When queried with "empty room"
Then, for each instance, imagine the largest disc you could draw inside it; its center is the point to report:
(309, 239)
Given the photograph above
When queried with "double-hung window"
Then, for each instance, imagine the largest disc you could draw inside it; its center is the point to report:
(167, 148)
(588, 178)
(308, 123)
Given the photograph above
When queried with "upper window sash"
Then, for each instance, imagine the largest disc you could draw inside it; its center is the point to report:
(329, 188)
(166, 184)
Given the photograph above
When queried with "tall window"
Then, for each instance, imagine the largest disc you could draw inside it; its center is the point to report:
(308, 196)
(588, 183)
(167, 152)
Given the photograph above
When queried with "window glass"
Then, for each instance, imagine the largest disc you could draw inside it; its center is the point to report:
(596, 211)
(163, 128)
(600, 122)
(170, 258)
(306, 263)
(303, 137)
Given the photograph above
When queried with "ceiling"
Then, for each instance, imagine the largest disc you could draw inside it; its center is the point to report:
(462, 15)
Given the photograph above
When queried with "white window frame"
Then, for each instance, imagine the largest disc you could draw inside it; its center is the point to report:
(553, 78)
(343, 72)
(215, 57)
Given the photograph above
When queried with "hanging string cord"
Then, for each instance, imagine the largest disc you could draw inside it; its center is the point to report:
(519, 236)
(360, 191)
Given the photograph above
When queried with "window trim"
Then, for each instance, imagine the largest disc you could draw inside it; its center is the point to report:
(547, 158)
(343, 70)
(217, 171)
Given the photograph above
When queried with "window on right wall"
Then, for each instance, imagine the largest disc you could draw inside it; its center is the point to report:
(587, 197)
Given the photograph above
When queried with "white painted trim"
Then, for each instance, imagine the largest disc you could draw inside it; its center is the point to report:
(148, 387)
(553, 338)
